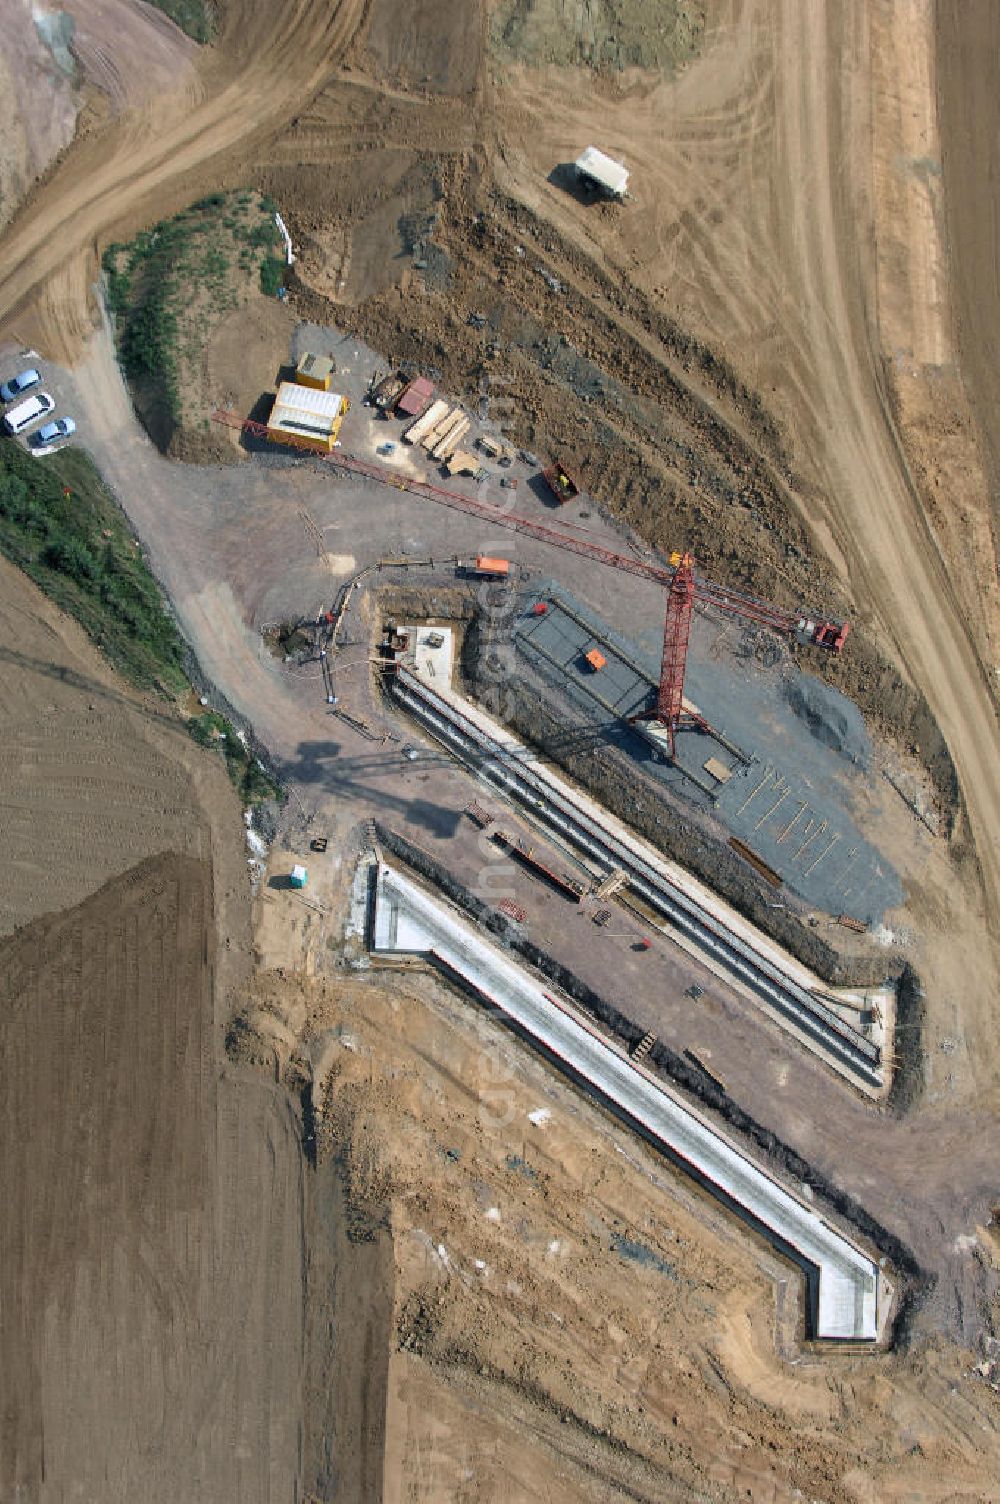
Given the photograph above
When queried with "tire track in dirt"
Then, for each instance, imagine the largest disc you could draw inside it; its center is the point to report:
(154, 156)
(774, 127)
(873, 507)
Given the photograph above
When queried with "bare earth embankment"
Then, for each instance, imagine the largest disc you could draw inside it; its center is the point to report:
(967, 37)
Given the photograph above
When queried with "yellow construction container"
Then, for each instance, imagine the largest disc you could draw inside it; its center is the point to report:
(306, 417)
(314, 371)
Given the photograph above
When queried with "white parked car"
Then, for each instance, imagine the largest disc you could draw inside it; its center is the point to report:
(27, 413)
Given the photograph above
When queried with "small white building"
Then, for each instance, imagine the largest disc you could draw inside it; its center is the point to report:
(602, 172)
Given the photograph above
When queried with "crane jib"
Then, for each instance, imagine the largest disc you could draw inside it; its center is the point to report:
(685, 588)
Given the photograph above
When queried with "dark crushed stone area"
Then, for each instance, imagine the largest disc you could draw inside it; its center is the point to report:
(673, 827)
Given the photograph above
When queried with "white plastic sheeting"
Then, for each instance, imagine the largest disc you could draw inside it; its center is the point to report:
(283, 232)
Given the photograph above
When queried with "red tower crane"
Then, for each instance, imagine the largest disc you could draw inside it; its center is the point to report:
(684, 587)
(671, 711)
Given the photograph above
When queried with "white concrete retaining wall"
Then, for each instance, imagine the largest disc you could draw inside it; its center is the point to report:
(408, 919)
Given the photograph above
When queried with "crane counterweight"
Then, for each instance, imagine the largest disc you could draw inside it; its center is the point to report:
(822, 634)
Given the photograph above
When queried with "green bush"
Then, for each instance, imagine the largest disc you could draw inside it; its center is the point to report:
(143, 296)
(147, 337)
(196, 17)
(59, 524)
(119, 282)
(70, 556)
(263, 234)
(272, 275)
(258, 786)
(252, 781)
(204, 729)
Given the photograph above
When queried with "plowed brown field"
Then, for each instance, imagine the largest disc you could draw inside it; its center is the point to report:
(150, 1250)
(151, 1255)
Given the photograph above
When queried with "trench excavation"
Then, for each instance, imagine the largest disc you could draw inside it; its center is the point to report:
(781, 985)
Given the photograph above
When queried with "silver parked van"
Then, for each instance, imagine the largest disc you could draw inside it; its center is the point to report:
(21, 417)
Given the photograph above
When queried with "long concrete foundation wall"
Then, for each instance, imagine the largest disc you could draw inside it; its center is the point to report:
(701, 921)
(845, 1279)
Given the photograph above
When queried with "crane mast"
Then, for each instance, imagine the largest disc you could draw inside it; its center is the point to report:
(671, 711)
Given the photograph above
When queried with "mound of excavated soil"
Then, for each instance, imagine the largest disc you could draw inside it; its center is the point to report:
(600, 33)
(434, 44)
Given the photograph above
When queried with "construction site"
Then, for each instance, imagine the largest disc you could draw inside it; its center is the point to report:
(580, 1081)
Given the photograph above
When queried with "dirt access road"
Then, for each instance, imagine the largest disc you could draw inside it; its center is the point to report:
(153, 159)
(748, 228)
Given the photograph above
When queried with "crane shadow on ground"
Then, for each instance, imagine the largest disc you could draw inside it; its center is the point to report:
(368, 777)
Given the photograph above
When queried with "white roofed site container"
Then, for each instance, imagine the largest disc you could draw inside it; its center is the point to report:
(306, 416)
(603, 172)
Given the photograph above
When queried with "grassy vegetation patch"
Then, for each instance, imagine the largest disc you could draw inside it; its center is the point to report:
(61, 526)
(195, 17)
(171, 287)
(249, 776)
(59, 523)
(272, 275)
